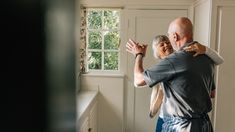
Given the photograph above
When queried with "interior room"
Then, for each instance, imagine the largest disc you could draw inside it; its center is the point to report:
(68, 69)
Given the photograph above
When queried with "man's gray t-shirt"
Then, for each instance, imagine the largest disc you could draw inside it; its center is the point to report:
(187, 82)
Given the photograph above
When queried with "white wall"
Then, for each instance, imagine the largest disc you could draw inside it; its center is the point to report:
(202, 21)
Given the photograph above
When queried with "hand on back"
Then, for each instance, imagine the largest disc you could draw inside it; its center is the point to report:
(197, 48)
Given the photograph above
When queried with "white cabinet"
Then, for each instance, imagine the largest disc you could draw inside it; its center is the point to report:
(89, 124)
(87, 110)
(110, 100)
(84, 126)
(93, 118)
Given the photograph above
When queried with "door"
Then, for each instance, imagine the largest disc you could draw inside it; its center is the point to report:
(224, 107)
(143, 25)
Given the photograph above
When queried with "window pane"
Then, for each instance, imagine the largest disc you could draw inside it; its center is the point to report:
(110, 60)
(111, 19)
(94, 19)
(111, 40)
(94, 60)
(94, 40)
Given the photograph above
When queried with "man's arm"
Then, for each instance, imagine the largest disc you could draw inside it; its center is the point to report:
(138, 71)
(139, 52)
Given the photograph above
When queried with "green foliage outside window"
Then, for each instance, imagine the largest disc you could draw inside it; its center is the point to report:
(95, 40)
(111, 40)
(111, 60)
(94, 60)
(94, 19)
(111, 19)
(103, 39)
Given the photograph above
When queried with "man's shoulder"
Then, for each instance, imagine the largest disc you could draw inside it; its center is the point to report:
(185, 57)
(179, 55)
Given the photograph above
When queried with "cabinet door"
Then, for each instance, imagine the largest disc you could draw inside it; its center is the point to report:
(93, 118)
(85, 125)
(143, 25)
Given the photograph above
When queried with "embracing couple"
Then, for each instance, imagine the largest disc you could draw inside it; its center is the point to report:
(182, 82)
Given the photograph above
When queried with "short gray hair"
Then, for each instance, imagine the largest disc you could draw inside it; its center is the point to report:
(157, 40)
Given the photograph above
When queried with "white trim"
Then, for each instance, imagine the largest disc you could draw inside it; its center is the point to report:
(103, 31)
(217, 43)
(191, 13)
(199, 2)
(225, 3)
(213, 112)
(209, 33)
(122, 3)
(113, 75)
(159, 2)
(104, 7)
(213, 25)
(156, 7)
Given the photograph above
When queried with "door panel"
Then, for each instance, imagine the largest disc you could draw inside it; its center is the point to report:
(143, 25)
(224, 113)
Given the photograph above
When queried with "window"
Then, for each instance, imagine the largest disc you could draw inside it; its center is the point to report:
(103, 39)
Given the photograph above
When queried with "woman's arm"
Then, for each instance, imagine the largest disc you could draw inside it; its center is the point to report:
(201, 49)
(214, 56)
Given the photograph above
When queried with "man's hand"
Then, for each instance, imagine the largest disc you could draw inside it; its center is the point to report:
(197, 48)
(135, 48)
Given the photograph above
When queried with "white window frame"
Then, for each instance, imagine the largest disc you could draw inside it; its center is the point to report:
(102, 50)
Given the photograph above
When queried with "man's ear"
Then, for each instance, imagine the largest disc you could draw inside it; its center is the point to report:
(175, 37)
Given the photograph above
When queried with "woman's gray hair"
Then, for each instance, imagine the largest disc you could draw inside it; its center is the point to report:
(157, 40)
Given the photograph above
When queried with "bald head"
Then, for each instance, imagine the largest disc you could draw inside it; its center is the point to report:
(182, 29)
(183, 26)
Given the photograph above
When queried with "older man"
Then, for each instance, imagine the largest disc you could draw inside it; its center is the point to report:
(188, 81)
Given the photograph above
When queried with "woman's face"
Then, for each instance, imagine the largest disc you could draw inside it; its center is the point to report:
(164, 49)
